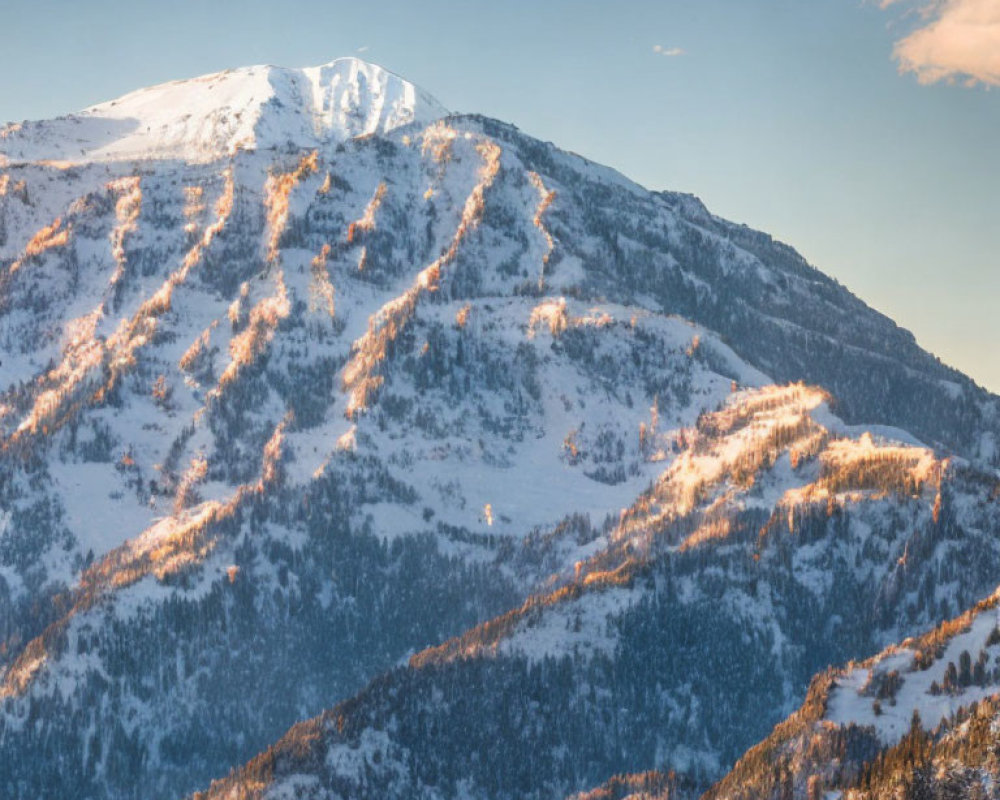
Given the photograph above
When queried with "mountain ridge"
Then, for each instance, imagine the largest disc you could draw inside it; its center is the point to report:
(209, 117)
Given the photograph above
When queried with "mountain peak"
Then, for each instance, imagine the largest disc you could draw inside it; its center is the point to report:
(211, 116)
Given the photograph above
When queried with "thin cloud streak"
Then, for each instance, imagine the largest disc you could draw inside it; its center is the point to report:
(670, 52)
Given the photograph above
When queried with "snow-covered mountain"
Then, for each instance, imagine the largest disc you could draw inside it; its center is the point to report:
(346, 403)
(213, 116)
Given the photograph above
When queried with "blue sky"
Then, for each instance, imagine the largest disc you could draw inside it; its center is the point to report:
(792, 116)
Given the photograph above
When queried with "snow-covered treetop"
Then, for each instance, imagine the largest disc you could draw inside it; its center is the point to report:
(205, 118)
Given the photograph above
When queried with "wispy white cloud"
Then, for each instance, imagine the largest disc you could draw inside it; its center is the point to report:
(670, 52)
(956, 41)
(363, 48)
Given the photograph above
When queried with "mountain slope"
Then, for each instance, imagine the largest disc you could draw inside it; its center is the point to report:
(917, 720)
(769, 547)
(277, 417)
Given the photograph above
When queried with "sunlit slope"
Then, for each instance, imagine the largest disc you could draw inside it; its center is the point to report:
(917, 719)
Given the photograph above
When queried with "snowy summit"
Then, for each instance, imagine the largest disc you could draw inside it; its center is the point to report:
(205, 118)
